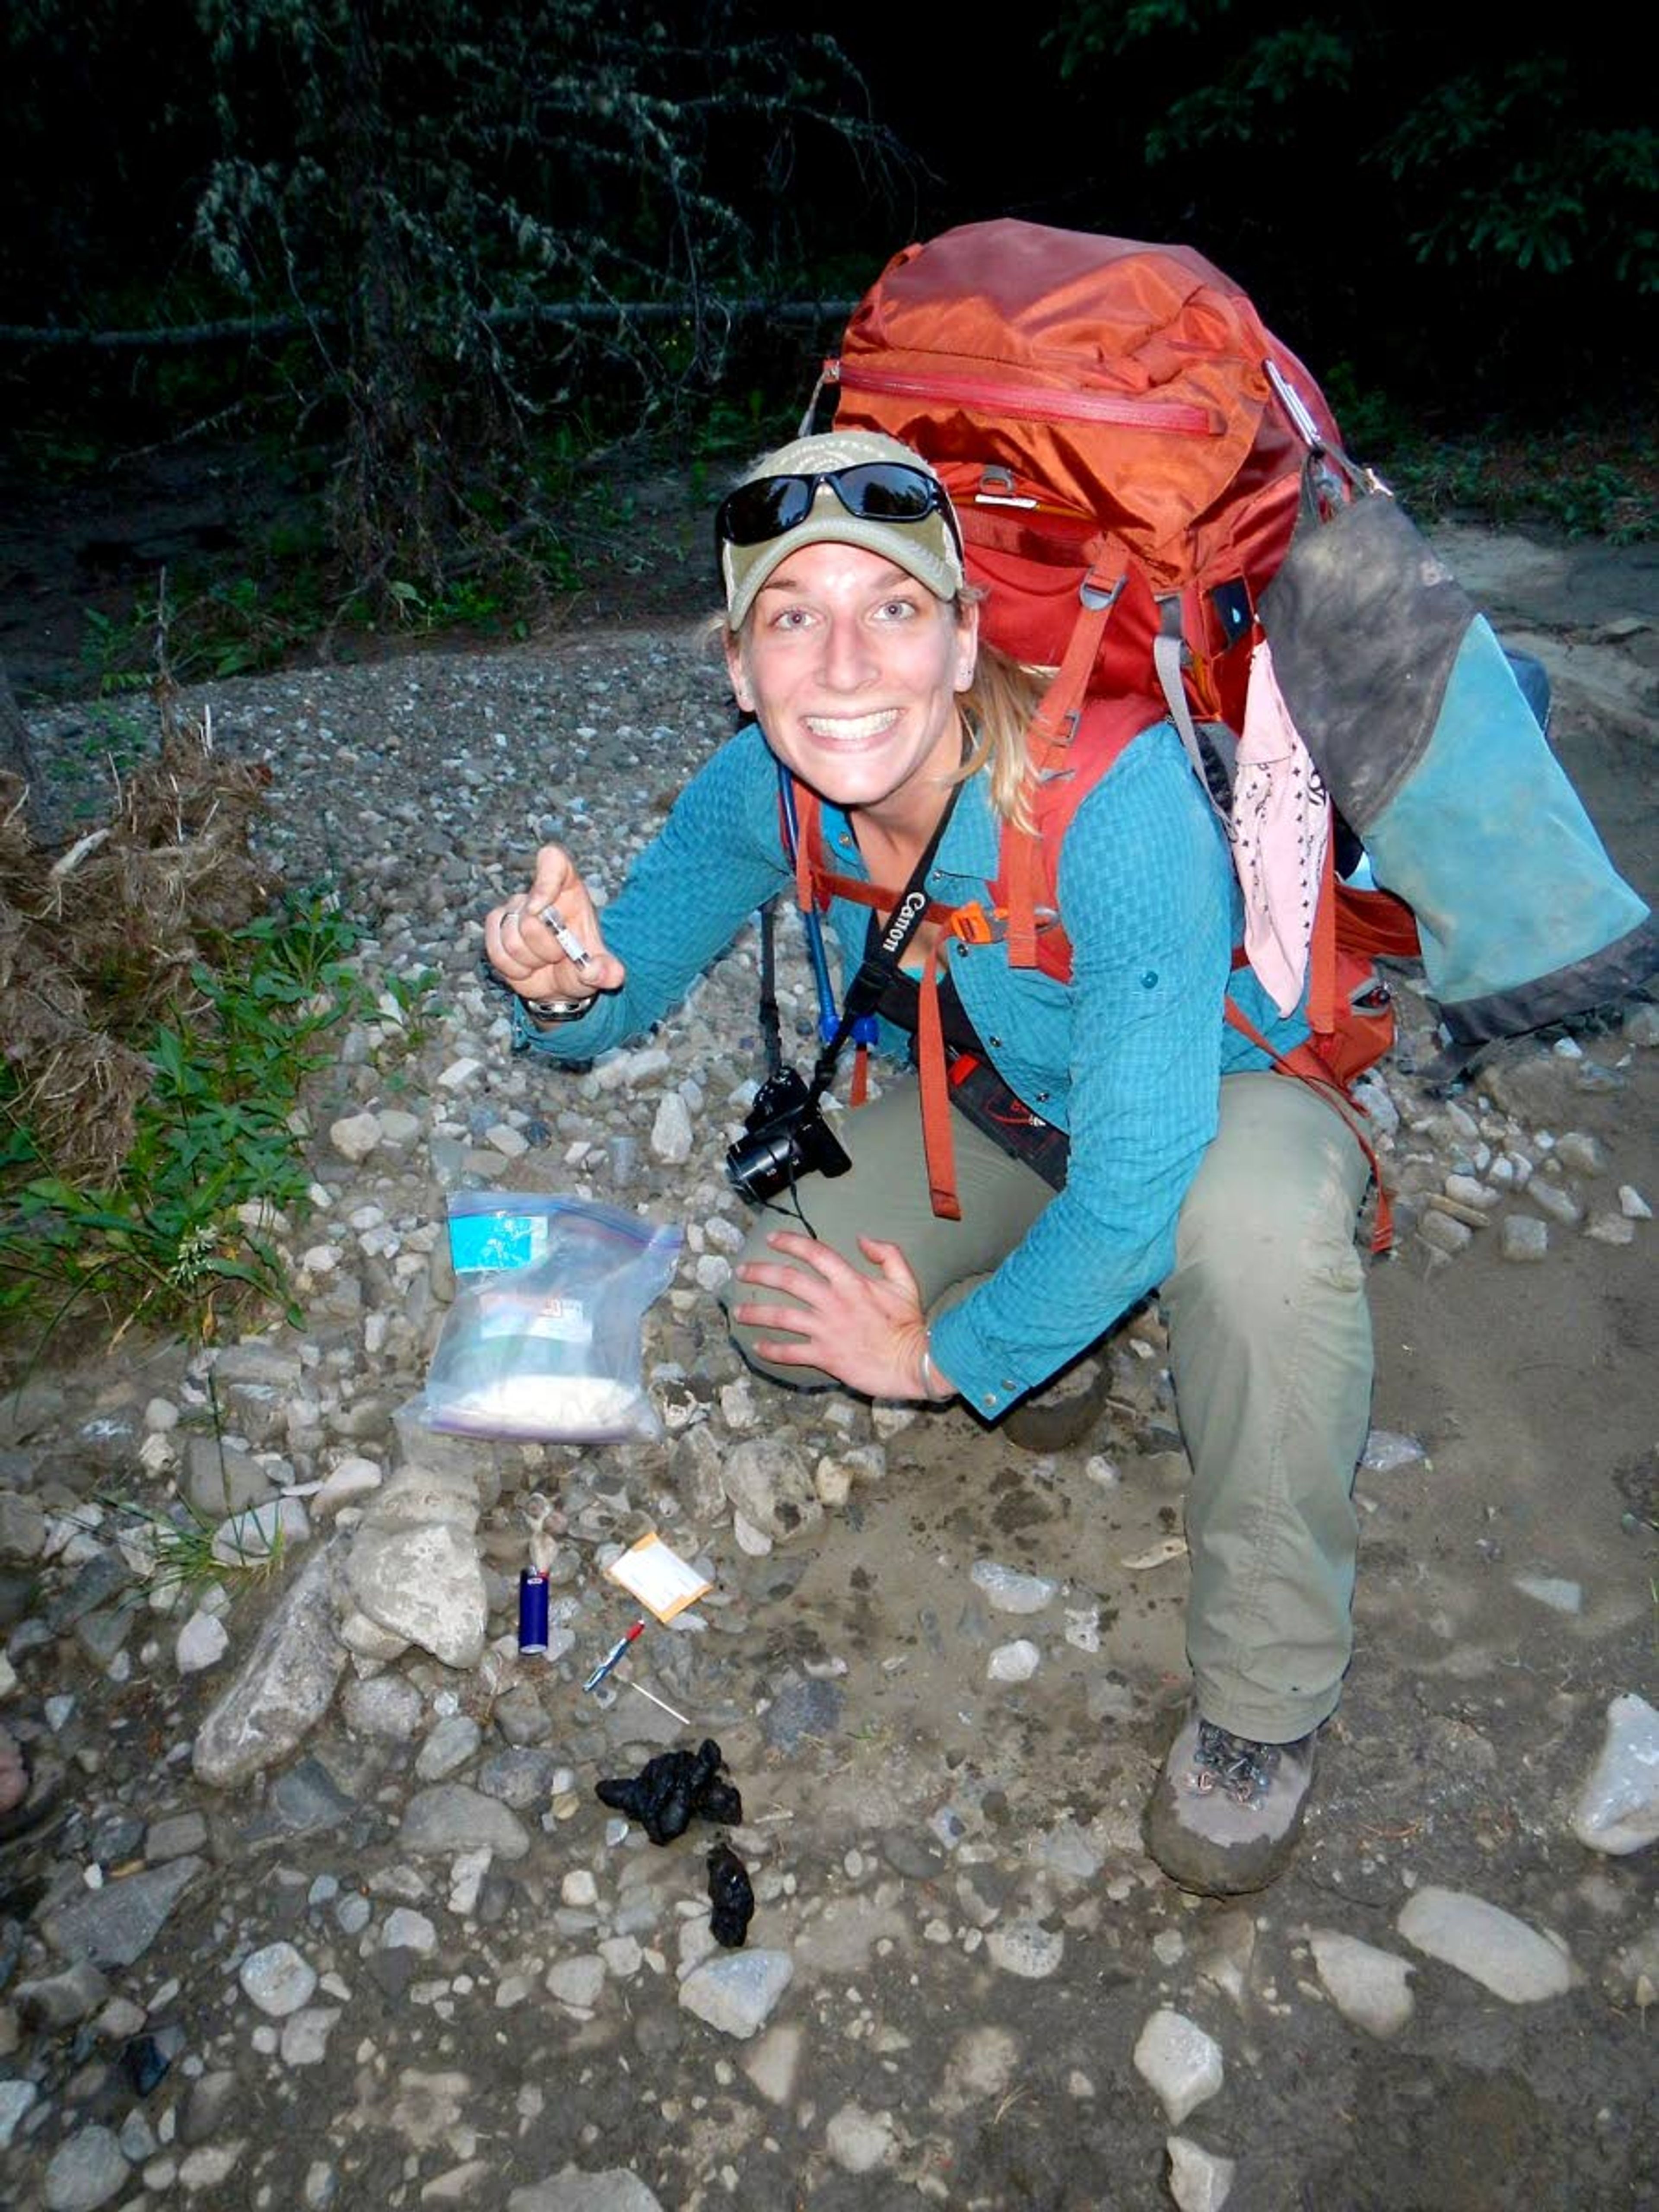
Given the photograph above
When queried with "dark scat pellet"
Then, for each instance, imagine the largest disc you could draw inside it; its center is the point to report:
(733, 1898)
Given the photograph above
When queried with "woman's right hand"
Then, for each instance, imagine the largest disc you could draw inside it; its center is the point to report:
(524, 951)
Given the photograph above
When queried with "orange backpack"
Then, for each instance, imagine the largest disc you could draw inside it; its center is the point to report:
(1128, 449)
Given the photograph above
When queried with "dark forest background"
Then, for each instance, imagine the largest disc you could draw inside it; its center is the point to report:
(442, 272)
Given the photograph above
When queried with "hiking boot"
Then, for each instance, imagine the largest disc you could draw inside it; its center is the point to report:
(1065, 1410)
(1226, 1812)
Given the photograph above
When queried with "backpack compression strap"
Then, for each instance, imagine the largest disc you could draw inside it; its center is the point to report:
(1049, 738)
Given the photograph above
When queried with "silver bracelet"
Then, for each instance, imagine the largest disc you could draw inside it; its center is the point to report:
(932, 1382)
(544, 1012)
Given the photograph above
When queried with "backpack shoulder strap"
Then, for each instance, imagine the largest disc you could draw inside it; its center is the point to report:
(1030, 858)
(801, 831)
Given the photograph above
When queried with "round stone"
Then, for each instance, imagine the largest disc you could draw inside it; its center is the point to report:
(1014, 1663)
(409, 1930)
(385, 1706)
(1007, 1590)
(860, 2141)
(577, 1981)
(277, 1979)
(1026, 1948)
(449, 1746)
(86, 2171)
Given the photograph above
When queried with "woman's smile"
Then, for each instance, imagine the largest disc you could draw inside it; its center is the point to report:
(851, 729)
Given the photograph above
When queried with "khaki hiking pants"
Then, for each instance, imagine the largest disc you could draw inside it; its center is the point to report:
(1270, 1346)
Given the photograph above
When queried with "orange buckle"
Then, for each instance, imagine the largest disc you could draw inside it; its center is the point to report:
(971, 924)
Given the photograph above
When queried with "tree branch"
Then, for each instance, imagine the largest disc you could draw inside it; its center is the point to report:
(580, 312)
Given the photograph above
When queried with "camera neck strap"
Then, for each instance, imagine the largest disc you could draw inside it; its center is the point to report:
(884, 950)
(771, 1020)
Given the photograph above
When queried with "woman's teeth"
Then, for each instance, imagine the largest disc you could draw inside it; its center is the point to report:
(851, 729)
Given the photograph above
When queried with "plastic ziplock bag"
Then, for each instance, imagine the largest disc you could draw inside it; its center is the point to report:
(543, 1341)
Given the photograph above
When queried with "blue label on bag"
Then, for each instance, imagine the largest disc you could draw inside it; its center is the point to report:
(480, 1241)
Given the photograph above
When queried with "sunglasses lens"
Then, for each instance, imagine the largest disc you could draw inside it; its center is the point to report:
(881, 491)
(757, 512)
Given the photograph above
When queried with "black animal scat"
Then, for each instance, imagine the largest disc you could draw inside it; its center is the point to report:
(672, 1789)
(730, 1897)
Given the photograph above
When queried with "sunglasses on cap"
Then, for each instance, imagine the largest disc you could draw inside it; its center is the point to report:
(870, 491)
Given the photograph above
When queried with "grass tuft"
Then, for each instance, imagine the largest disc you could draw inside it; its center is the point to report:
(179, 1546)
(179, 1231)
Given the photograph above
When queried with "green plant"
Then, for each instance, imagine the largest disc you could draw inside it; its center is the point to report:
(1526, 155)
(61, 456)
(733, 427)
(405, 1028)
(463, 600)
(1577, 483)
(202, 623)
(179, 1545)
(183, 1228)
(427, 194)
(116, 654)
(241, 628)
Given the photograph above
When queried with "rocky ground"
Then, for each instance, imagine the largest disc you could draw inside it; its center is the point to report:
(324, 1909)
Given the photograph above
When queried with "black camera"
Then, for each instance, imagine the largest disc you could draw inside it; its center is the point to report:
(784, 1137)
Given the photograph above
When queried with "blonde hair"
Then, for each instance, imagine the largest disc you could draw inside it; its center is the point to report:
(999, 706)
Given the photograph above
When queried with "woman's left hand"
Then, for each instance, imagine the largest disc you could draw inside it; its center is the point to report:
(868, 1331)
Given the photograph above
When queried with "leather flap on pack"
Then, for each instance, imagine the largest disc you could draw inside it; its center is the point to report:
(1366, 621)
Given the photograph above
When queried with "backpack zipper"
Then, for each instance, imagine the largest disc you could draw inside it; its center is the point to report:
(1180, 416)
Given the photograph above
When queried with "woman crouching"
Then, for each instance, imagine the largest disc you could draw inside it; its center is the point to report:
(1085, 1141)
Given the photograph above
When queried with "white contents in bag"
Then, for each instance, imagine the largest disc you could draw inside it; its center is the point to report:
(583, 1405)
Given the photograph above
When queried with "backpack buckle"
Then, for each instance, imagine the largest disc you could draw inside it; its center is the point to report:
(1095, 592)
(1070, 725)
(996, 488)
(972, 924)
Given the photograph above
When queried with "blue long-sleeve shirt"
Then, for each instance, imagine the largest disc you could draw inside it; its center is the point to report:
(1126, 1057)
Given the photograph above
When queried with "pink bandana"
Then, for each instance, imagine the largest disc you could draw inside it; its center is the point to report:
(1281, 824)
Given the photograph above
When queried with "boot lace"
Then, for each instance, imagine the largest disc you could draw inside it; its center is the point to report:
(1223, 1761)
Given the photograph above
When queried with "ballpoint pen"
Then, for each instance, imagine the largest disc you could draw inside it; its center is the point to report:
(612, 1655)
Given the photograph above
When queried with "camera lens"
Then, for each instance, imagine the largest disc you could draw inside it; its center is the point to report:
(761, 1165)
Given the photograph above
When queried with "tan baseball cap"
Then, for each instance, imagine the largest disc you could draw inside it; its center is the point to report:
(927, 549)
